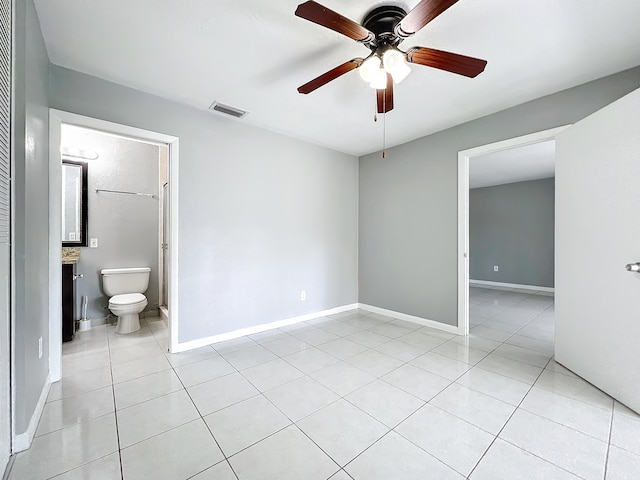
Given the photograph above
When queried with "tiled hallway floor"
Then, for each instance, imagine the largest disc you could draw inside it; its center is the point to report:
(355, 395)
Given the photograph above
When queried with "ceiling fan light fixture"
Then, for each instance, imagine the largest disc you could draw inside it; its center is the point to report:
(395, 63)
(379, 81)
(369, 68)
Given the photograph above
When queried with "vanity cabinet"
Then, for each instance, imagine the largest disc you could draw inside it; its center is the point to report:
(68, 301)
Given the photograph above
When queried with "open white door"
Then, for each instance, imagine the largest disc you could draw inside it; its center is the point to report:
(597, 235)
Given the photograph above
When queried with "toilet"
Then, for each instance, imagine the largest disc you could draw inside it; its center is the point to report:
(125, 288)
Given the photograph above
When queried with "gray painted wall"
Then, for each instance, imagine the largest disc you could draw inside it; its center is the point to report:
(262, 216)
(408, 201)
(126, 226)
(31, 230)
(512, 226)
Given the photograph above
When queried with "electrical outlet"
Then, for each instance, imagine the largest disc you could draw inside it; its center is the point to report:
(40, 347)
(303, 296)
(93, 243)
(495, 268)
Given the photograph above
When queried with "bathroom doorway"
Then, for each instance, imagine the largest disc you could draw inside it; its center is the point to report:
(138, 195)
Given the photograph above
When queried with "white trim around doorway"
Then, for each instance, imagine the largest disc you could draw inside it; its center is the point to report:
(56, 119)
(463, 210)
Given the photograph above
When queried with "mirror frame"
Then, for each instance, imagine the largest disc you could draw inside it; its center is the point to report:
(84, 241)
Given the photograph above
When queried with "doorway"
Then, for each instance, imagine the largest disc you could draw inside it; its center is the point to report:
(464, 158)
(57, 119)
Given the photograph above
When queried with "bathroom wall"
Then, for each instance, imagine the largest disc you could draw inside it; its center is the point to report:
(512, 226)
(126, 226)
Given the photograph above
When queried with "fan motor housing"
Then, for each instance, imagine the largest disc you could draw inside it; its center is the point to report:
(381, 21)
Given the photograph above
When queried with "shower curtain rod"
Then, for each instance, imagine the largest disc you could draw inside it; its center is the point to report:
(125, 193)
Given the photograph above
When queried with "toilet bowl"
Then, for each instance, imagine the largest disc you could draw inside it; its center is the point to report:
(125, 287)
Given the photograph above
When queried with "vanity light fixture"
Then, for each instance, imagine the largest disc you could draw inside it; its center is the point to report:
(76, 152)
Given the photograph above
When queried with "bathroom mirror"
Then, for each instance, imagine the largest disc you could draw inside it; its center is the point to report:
(74, 203)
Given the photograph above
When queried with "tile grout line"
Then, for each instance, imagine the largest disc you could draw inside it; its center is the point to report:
(606, 457)
(115, 407)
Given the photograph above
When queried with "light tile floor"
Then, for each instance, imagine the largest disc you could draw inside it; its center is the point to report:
(349, 396)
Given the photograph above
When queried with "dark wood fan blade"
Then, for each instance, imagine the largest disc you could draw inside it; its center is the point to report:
(330, 75)
(385, 97)
(316, 13)
(422, 14)
(451, 62)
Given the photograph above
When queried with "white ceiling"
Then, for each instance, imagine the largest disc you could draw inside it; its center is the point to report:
(253, 54)
(530, 162)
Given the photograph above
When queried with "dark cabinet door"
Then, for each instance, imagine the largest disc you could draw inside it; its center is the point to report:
(68, 301)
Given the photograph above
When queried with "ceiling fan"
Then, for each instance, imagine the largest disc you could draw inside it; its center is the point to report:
(382, 30)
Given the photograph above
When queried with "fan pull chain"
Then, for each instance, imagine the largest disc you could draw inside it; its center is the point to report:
(384, 125)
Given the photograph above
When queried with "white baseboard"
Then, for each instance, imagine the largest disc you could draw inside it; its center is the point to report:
(23, 441)
(511, 285)
(410, 318)
(182, 347)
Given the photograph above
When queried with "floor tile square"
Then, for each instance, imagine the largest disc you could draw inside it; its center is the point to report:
(342, 348)
(245, 423)
(66, 449)
(271, 374)
(440, 365)
(572, 413)
(125, 371)
(80, 383)
(567, 448)
(625, 429)
(504, 461)
(523, 355)
(510, 368)
(285, 346)
(311, 360)
(342, 430)
(204, 370)
(342, 378)
(76, 409)
(191, 356)
(367, 338)
(394, 457)
(483, 411)
(126, 354)
(220, 471)
(249, 357)
(374, 362)
(574, 387)
(106, 467)
(301, 397)
(221, 392)
(385, 403)
(455, 442)
(622, 464)
(145, 388)
(287, 455)
(155, 416)
(315, 337)
(460, 352)
(400, 350)
(495, 385)
(416, 381)
(177, 454)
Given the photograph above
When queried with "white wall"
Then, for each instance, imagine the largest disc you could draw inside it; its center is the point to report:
(262, 216)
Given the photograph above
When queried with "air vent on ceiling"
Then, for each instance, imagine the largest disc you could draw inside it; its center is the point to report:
(227, 110)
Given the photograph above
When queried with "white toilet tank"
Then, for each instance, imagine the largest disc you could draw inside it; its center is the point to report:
(117, 281)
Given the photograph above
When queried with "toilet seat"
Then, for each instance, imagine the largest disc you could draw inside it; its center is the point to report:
(127, 299)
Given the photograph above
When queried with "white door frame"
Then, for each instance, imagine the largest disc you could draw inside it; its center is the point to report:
(56, 119)
(463, 210)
